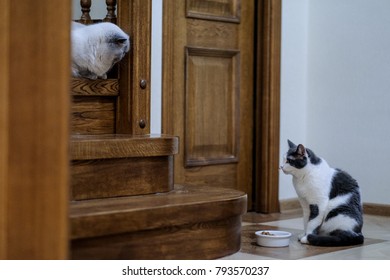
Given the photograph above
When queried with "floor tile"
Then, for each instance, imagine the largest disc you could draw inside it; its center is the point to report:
(379, 251)
(376, 230)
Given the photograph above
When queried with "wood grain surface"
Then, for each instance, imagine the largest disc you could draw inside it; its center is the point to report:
(184, 205)
(204, 240)
(35, 67)
(120, 177)
(93, 115)
(175, 225)
(208, 90)
(85, 87)
(87, 147)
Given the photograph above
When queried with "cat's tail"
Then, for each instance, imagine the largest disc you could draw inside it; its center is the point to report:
(336, 238)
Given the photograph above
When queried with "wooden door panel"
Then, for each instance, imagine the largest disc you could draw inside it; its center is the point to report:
(208, 90)
(228, 25)
(223, 10)
(211, 34)
(212, 106)
(214, 175)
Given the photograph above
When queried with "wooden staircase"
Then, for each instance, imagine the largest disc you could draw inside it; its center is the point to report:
(123, 200)
(124, 204)
(105, 166)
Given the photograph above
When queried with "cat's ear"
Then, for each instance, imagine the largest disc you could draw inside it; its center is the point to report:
(301, 150)
(291, 144)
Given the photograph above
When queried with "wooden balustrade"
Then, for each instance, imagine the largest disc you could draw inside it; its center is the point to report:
(85, 6)
(85, 9)
(111, 7)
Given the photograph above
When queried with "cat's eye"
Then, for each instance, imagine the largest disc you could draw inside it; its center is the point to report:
(289, 161)
(121, 41)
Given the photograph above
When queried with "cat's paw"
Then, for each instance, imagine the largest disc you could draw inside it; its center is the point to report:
(301, 236)
(92, 77)
(304, 240)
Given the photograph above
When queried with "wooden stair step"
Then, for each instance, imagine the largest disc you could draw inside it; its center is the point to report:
(99, 87)
(113, 165)
(186, 223)
(94, 105)
(87, 147)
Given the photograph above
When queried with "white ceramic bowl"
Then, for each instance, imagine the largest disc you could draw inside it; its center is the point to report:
(273, 238)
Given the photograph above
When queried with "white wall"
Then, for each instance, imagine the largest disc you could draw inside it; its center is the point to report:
(347, 87)
(156, 71)
(98, 9)
(293, 85)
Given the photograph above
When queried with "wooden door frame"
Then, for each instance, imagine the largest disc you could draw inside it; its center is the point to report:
(167, 113)
(266, 90)
(34, 129)
(267, 111)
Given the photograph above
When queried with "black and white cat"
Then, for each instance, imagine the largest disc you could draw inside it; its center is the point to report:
(330, 199)
(96, 48)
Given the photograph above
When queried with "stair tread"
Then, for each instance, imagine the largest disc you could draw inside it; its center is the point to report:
(183, 205)
(105, 146)
(99, 87)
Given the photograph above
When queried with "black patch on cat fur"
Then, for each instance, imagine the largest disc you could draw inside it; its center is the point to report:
(343, 183)
(349, 210)
(297, 160)
(313, 211)
(313, 158)
(294, 158)
(336, 238)
(345, 209)
(291, 144)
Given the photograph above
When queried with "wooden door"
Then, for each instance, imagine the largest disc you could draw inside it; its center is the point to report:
(208, 86)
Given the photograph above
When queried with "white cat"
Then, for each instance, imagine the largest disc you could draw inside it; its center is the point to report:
(96, 48)
(330, 199)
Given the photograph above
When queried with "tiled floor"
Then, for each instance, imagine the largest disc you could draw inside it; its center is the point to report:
(376, 230)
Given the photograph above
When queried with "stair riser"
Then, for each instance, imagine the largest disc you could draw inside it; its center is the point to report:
(208, 240)
(108, 178)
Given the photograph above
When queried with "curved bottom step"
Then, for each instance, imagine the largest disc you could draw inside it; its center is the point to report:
(186, 223)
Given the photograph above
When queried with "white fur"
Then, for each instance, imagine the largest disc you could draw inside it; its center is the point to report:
(340, 222)
(313, 184)
(93, 54)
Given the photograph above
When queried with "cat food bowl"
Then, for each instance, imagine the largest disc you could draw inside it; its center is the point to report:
(272, 238)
